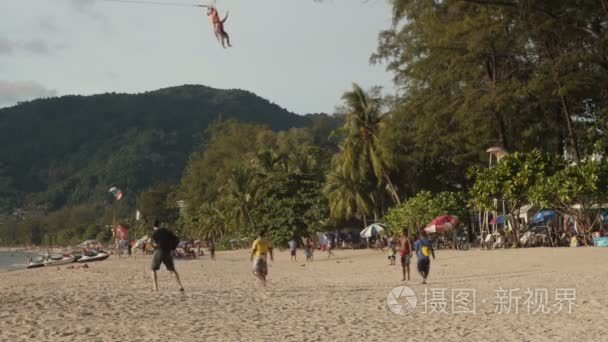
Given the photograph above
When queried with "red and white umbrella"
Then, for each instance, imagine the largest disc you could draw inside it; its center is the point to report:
(442, 223)
(116, 192)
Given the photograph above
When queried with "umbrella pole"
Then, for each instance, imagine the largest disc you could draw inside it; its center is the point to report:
(486, 225)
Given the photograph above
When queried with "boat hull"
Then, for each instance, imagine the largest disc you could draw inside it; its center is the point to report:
(64, 261)
(99, 257)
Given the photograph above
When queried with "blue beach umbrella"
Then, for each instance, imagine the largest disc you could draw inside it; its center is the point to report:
(542, 216)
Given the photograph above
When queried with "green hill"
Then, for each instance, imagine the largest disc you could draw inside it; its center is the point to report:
(71, 149)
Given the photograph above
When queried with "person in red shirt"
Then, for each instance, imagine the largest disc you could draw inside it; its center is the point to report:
(405, 252)
(218, 26)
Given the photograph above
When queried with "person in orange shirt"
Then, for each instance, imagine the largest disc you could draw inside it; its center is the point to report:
(218, 26)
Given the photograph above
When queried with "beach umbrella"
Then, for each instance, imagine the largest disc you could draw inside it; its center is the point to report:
(116, 192)
(543, 215)
(372, 230)
(442, 223)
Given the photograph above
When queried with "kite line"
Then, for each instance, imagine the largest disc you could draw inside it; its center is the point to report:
(156, 3)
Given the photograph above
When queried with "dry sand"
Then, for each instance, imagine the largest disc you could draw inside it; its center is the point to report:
(341, 299)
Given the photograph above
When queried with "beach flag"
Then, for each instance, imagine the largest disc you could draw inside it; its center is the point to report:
(116, 192)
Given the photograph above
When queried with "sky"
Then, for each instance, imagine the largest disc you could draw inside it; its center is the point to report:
(299, 54)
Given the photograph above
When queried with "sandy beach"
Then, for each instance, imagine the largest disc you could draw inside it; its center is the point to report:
(340, 299)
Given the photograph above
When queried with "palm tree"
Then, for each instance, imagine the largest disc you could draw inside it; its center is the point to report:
(362, 151)
(347, 198)
(270, 161)
(305, 159)
(213, 223)
(238, 193)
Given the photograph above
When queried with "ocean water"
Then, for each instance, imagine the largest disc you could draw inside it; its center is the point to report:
(10, 260)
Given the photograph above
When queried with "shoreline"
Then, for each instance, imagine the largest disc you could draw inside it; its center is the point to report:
(14, 249)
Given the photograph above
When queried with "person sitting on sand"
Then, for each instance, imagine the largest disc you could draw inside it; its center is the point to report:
(259, 250)
(164, 242)
(424, 249)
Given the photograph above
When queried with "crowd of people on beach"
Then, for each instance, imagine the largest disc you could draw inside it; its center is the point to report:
(165, 243)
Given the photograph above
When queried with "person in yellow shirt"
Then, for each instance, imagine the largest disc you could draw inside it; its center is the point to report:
(259, 251)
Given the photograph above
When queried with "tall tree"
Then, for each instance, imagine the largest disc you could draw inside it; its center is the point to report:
(348, 198)
(363, 156)
(238, 193)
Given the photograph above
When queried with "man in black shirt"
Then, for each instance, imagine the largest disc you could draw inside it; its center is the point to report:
(164, 243)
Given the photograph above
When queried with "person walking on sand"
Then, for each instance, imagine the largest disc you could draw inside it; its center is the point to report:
(424, 249)
(292, 250)
(392, 251)
(330, 247)
(259, 250)
(405, 254)
(164, 242)
(309, 249)
(212, 249)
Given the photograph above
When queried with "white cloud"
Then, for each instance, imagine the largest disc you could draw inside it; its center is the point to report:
(12, 92)
(88, 7)
(83, 5)
(7, 46)
(36, 46)
(48, 24)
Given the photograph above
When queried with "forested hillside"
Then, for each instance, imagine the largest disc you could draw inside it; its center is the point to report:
(69, 150)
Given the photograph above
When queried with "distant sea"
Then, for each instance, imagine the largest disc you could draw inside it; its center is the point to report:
(8, 260)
